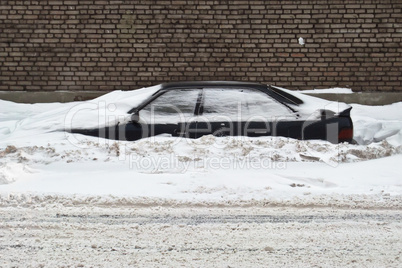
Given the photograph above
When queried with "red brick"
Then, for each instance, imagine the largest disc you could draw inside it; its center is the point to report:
(101, 45)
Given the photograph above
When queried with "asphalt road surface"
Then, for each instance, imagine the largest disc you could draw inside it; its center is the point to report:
(82, 236)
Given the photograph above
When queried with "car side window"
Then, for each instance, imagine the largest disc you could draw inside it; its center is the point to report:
(241, 104)
(171, 107)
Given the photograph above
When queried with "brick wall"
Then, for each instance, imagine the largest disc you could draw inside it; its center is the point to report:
(108, 45)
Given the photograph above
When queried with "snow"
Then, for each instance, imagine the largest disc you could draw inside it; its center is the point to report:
(335, 90)
(313, 103)
(39, 162)
(29, 119)
(151, 236)
(378, 123)
(244, 104)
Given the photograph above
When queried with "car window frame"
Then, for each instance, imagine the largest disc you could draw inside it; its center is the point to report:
(163, 92)
(199, 107)
(291, 111)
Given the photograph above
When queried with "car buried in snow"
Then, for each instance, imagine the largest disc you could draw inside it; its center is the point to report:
(195, 109)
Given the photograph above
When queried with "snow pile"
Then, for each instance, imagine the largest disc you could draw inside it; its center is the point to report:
(27, 119)
(335, 90)
(165, 154)
(315, 104)
(45, 201)
(37, 161)
(377, 123)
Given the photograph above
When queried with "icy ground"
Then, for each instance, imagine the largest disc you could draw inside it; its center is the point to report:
(40, 164)
(86, 236)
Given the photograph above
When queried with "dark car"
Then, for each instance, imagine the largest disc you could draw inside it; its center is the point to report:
(194, 109)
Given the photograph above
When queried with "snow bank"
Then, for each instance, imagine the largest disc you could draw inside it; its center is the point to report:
(24, 120)
(335, 90)
(377, 123)
(312, 103)
(207, 170)
(333, 200)
(36, 160)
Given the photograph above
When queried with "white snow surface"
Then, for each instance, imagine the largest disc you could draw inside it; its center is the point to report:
(311, 106)
(109, 109)
(335, 90)
(40, 164)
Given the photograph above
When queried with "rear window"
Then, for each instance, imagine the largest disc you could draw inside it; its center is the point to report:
(241, 104)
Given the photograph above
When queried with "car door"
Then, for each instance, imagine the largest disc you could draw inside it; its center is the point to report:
(239, 111)
(170, 113)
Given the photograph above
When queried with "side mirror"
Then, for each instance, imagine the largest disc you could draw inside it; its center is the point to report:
(135, 117)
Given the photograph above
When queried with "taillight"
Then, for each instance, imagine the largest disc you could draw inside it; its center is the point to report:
(346, 134)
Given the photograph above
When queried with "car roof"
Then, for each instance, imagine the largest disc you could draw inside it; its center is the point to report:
(196, 84)
(274, 92)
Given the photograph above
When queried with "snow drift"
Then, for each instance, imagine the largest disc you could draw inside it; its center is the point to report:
(36, 158)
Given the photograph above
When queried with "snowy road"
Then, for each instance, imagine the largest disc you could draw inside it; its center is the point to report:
(121, 236)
